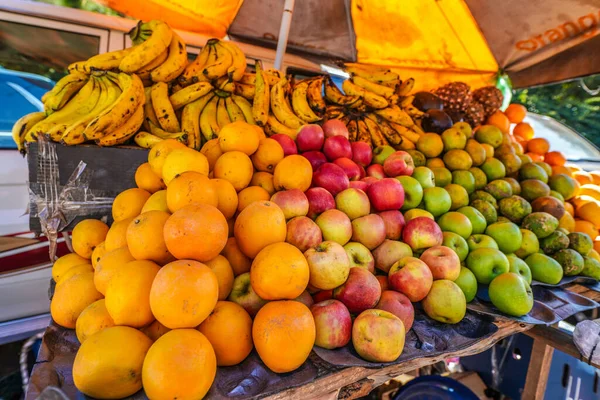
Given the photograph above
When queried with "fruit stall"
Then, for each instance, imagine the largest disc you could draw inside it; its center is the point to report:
(252, 234)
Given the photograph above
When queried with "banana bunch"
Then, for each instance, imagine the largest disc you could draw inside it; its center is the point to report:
(220, 61)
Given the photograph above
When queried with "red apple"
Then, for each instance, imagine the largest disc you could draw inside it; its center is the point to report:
(399, 305)
(319, 201)
(383, 282)
(421, 233)
(292, 202)
(323, 295)
(386, 194)
(360, 292)
(376, 171)
(353, 202)
(398, 163)
(368, 230)
(243, 294)
(331, 177)
(316, 158)
(310, 137)
(333, 324)
(412, 277)
(306, 299)
(363, 173)
(329, 265)
(335, 226)
(362, 185)
(394, 223)
(351, 169)
(335, 127)
(388, 252)
(362, 154)
(442, 261)
(287, 144)
(303, 233)
(378, 336)
(337, 147)
(369, 180)
(360, 256)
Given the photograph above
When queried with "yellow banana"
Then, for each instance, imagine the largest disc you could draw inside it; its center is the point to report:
(107, 61)
(193, 71)
(145, 72)
(366, 84)
(262, 93)
(45, 96)
(23, 125)
(126, 131)
(225, 84)
(175, 62)
(334, 95)
(334, 112)
(189, 94)
(223, 61)
(238, 65)
(163, 108)
(250, 78)
(397, 115)
(314, 95)
(405, 132)
(277, 127)
(63, 91)
(246, 91)
(148, 109)
(352, 130)
(363, 132)
(389, 133)
(190, 120)
(79, 66)
(208, 120)
(281, 108)
(234, 112)
(369, 98)
(147, 51)
(377, 137)
(146, 139)
(405, 101)
(413, 111)
(222, 114)
(374, 74)
(300, 103)
(246, 108)
(405, 87)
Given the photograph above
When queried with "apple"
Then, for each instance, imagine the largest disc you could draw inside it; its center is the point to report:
(422, 233)
(323, 295)
(360, 292)
(319, 201)
(335, 127)
(394, 223)
(416, 213)
(380, 153)
(362, 154)
(386, 194)
(360, 256)
(424, 176)
(368, 230)
(467, 282)
(335, 226)
(287, 144)
(333, 324)
(519, 267)
(445, 302)
(457, 244)
(353, 202)
(351, 169)
(413, 192)
(363, 172)
(310, 137)
(388, 252)
(376, 171)
(411, 277)
(243, 294)
(316, 159)
(329, 265)
(378, 336)
(293, 202)
(442, 261)
(362, 185)
(337, 147)
(398, 163)
(399, 305)
(306, 299)
(303, 233)
(331, 177)
(480, 241)
(486, 264)
(383, 282)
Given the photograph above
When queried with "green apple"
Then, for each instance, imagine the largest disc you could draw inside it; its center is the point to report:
(493, 169)
(544, 269)
(458, 194)
(437, 201)
(380, 153)
(477, 219)
(413, 192)
(465, 179)
(467, 282)
(456, 243)
(511, 294)
(480, 177)
(445, 302)
(442, 176)
(507, 235)
(519, 267)
(455, 222)
(486, 264)
(529, 244)
(481, 241)
(425, 177)
(486, 209)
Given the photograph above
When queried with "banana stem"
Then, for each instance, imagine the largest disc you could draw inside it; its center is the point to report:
(284, 31)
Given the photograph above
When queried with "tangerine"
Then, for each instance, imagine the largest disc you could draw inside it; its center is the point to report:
(191, 187)
(93, 319)
(238, 136)
(264, 180)
(146, 179)
(227, 197)
(235, 167)
(555, 158)
(260, 224)
(239, 262)
(117, 235)
(129, 203)
(88, 234)
(250, 195)
(523, 130)
(515, 113)
(293, 172)
(145, 238)
(499, 120)
(72, 297)
(212, 151)
(222, 269)
(538, 146)
(108, 266)
(156, 202)
(267, 156)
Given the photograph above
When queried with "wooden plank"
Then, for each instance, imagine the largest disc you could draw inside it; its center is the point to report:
(558, 339)
(538, 370)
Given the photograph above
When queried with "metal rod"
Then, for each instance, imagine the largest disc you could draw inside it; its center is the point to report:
(284, 31)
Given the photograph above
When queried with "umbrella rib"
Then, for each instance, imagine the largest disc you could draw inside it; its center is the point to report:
(456, 35)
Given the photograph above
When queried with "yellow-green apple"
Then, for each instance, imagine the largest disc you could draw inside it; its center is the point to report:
(337, 147)
(399, 305)
(445, 302)
(456, 222)
(478, 222)
(360, 292)
(394, 223)
(310, 137)
(487, 263)
(442, 176)
(335, 226)
(457, 244)
(243, 294)
(413, 192)
(467, 282)
(319, 201)
(329, 265)
(368, 230)
(376, 171)
(352, 170)
(333, 324)
(481, 240)
(316, 158)
(507, 235)
(303, 233)
(360, 256)
(442, 261)
(380, 153)
(415, 213)
(353, 202)
(383, 282)
(305, 298)
(322, 295)
(287, 144)
(362, 154)
(362, 185)
(398, 163)
(378, 336)
(511, 294)
(412, 277)
(335, 127)
(519, 267)
(292, 202)
(388, 252)
(424, 176)
(331, 177)
(529, 245)
(422, 233)
(386, 194)
(437, 200)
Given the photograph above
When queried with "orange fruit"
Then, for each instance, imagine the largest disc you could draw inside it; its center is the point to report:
(93, 319)
(522, 141)
(595, 177)
(109, 265)
(250, 195)
(259, 225)
(583, 177)
(145, 238)
(159, 152)
(181, 364)
(279, 272)
(267, 156)
(236, 168)
(197, 231)
(579, 201)
(183, 294)
(597, 246)
(569, 208)
(238, 260)
(182, 160)
(227, 197)
(72, 297)
(222, 269)
(154, 330)
(156, 202)
(230, 226)
(65, 263)
(190, 187)
(586, 227)
(229, 331)
(128, 294)
(284, 334)
(98, 252)
(574, 167)
(523, 130)
(88, 234)
(555, 158)
(212, 151)
(515, 113)
(146, 179)
(535, 157)
(589, 211)
(238, 136)
(499, 120)
(538, 146)
(117, 235)
(293, 172)
(264, 180)
(260, 132)
(560, 169)
(129, 203)
(76, 270)
(589, 189)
